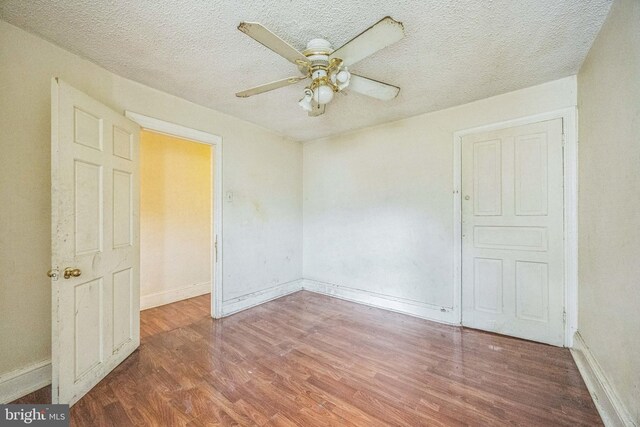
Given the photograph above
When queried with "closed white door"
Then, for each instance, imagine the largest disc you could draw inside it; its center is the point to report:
(512, 232)
(95, 241)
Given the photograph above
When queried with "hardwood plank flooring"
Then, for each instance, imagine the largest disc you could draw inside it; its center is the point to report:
(311, 360)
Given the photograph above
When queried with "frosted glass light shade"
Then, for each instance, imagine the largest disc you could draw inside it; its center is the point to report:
(343, 76)
(323, 94)
(305, 102)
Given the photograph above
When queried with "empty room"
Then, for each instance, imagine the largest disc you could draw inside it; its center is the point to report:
(357, 213)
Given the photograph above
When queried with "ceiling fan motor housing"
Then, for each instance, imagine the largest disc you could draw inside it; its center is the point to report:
(318, 46)
(317, 52)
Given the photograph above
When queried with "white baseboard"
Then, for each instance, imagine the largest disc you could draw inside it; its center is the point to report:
(251, 300)
(609, 405)
(18, 383)
(173, 295)
(387, 302)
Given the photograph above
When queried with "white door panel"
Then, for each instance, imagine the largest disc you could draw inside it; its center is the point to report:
(487, 173)
(95, 222)
(512, 232)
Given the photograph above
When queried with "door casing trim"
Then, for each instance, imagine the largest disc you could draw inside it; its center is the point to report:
(173, 129)
(570, 220)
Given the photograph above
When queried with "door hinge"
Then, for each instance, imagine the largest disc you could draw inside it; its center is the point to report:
(215, 248)
(564, 316)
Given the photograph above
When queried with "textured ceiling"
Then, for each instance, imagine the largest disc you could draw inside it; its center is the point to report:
(454, 52)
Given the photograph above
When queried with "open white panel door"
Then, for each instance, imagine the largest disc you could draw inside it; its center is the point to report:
(94, 241)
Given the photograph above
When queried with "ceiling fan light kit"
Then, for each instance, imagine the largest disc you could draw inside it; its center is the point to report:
(323, 71)
(328, 68)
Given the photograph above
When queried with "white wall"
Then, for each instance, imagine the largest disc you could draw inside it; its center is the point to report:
(175, 219)
(609, 203)
(378, 203)
(262, 225)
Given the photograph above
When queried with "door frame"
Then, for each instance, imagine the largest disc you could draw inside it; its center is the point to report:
(173, 129)
(570, 220)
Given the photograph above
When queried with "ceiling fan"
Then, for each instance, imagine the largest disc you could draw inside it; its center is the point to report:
(328, 69)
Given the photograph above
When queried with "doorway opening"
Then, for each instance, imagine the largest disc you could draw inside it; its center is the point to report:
(180, 213)
(176, 218)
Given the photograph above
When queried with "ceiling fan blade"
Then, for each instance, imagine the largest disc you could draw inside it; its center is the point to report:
(270, 86)
(318, 109)
(382, 34)
(265, 37)
(373, 88)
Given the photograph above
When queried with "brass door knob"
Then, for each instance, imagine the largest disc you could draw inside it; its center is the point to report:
(71, 272)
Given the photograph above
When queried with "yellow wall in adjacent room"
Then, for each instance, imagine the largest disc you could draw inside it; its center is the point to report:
(175, 218)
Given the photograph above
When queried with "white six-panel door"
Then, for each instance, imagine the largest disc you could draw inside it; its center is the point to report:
(512, 232)
(95, 237)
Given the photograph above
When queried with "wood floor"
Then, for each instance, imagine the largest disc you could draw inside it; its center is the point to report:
(312, 360)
